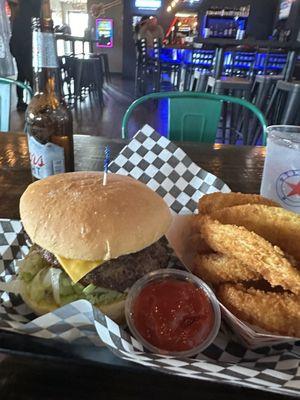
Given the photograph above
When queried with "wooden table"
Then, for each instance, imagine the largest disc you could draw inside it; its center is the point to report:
(240, 167)
(32, 368)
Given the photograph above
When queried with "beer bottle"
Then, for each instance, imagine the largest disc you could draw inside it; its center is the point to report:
(49, 122)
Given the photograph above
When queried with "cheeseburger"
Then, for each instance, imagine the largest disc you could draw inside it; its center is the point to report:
(90, 241)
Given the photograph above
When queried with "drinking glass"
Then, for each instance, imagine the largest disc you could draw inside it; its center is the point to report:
(281, 175)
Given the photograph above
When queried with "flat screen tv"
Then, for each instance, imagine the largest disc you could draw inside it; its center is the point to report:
(104, 32)
(148, 4)
(285, 8)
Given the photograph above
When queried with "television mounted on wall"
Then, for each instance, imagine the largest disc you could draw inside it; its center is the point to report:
(148, 4)
(285, 8)
(104, 32)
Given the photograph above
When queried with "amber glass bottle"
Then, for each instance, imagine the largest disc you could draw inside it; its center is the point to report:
(49, 122)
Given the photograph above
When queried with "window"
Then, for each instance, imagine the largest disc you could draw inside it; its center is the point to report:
(78, 22)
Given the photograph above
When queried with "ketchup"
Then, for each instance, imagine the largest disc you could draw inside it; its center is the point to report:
(173, 315)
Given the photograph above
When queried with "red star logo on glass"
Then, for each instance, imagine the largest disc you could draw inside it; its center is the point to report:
(295, 189)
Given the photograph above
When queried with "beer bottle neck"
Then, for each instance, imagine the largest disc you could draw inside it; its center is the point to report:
(47, 81)
(46, 10)
(47, 78)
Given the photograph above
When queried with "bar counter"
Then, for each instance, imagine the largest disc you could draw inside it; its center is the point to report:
(258, 44)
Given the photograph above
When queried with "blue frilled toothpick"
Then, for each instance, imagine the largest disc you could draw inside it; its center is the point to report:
(106, 164)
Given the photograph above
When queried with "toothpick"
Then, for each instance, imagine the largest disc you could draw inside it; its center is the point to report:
(106, 163)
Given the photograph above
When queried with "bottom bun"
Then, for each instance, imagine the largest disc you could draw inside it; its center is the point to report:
(40, 308)
(115, 311)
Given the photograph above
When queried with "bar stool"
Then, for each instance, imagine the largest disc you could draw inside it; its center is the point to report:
(198, 81)
(285, 104)
(89, 75)
(141, 67)
(238, 87)
(261, 92)
(106, 68)
(165, 63)
(197, 68)
(262, 89)
(234, 116)
(103, 57)
(67, 67)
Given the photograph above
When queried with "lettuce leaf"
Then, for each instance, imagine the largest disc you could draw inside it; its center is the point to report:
(46, 283)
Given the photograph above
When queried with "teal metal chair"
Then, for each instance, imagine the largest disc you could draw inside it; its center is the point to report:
(195, 116)
(5, 91)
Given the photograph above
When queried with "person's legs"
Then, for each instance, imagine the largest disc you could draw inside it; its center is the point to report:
(27, 66)
(21, 105)
(24, 65)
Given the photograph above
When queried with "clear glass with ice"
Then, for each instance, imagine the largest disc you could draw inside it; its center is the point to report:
(281, 176)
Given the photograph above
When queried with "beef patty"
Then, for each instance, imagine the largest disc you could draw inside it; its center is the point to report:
(121, 273)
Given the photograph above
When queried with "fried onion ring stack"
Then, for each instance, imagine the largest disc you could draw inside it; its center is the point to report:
(248, 250)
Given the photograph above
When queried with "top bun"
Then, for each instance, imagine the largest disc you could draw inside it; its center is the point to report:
(74, 216)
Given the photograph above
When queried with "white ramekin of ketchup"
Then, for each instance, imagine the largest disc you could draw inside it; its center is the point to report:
(172, 312)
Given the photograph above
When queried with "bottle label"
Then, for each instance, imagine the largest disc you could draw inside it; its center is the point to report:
(43, 50)
(45, 159)
(36, 51)
(2, 48)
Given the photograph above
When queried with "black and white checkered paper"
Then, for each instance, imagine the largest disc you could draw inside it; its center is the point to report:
(166, 169)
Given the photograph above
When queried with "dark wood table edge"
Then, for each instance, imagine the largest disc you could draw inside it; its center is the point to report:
(215, 388)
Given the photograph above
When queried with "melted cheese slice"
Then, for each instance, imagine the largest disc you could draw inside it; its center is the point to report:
(77, 269)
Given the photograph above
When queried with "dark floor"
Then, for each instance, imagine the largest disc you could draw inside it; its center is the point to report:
(90, 119)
